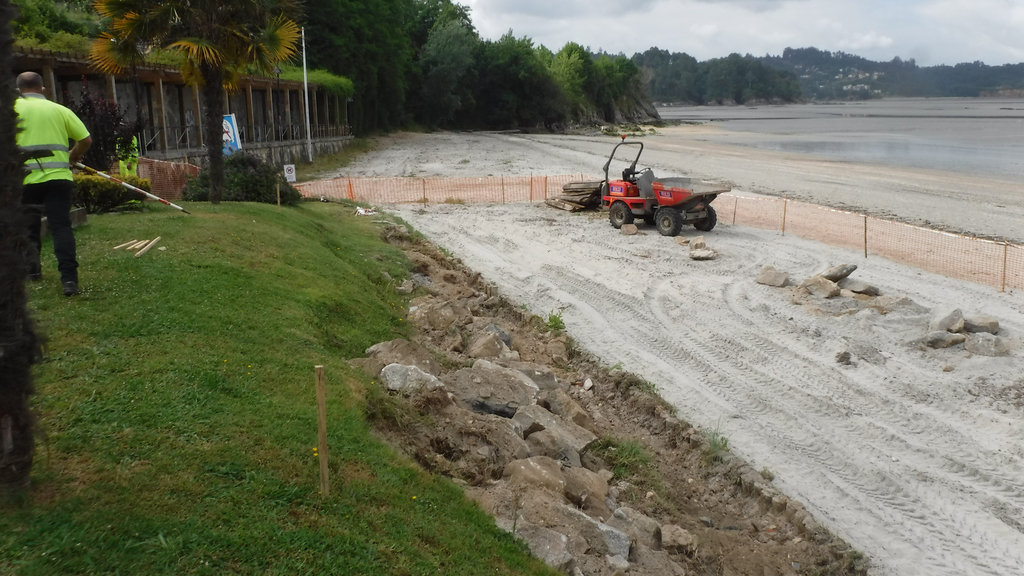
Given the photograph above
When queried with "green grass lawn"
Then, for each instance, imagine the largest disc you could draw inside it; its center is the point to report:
(177, 416)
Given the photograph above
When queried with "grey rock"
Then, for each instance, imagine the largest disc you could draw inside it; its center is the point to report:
(951, 322)
(677, 539)
(985, 344)
(977, 324)
(551, 444)
(485, 345)
(837, 273)
(616, 541)
(858, 287)
(550, 546)
(491, 389)
(617, 563)
(541, 375)
(702, 254)
(629, 230)
(407, 379)
(559, 402)
(943, 339)
(500, 333)
(534, 418)
(441, 315)
(536, 472)
(769, 276)
(698, 243)
(587, 490)
(642, 529)
(820, 286)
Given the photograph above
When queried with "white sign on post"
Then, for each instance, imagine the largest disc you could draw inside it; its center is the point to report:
(289, 172)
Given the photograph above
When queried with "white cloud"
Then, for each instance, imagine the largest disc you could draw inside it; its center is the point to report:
(930, 31)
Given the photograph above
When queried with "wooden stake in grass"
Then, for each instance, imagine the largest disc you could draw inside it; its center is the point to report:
(147, 247)
(125, 245)
(321, 417)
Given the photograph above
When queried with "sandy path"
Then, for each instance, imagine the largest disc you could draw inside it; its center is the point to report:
(915, 456)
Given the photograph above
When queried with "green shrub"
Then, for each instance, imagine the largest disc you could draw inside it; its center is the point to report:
(100, 195)
(246, 179)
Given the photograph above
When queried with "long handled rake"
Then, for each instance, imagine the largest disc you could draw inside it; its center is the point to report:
(129, 186)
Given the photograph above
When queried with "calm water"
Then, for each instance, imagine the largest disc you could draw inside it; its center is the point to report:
(983, 136)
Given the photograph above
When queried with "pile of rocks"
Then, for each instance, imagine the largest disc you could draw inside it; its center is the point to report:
(504, 404)
(978, 334)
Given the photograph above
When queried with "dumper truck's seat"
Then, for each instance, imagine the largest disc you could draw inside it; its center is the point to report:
(645, 182)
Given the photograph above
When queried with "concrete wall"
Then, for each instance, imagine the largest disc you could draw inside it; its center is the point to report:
(277, 153)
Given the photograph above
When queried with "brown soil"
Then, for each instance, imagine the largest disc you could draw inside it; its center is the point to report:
(743, 525)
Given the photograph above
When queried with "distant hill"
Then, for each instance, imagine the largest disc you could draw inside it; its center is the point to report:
(813, 74)
(825, 75)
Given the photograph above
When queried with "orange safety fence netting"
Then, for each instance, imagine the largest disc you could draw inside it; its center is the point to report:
(496, 189)
(166, 179)
(996, 264)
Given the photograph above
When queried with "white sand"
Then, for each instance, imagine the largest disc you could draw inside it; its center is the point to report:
(913, 455)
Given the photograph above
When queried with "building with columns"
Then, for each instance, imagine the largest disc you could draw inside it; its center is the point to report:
(270, 112)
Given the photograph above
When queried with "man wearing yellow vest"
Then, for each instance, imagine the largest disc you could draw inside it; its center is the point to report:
(45, 131)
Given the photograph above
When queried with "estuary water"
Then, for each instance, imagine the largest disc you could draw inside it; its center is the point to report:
(977, 136)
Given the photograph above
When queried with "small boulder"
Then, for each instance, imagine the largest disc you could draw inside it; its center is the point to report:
(952, 322)
(703, 254)
(629, 230)
(977, 324)
(943, 339)
(837, 273)
(769, 276)
(486, 345)
(536, 472)
(820, 286)
(407, 379)
(858, 287)
(677, 539)
(682, 240)
(641, 528)
(985, 344)
(698, 243)
(548, 545)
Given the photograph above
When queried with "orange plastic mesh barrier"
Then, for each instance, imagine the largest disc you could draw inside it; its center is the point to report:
(996, 264)
(497, 189)
(167, 179)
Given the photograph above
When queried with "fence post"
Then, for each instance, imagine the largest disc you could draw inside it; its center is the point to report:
(503, 189)
(735, 205)
(531, 187)
(865, 236)
(1006, 248)
(545, 186)
(423, 184)
(785, 207)
(321, 417)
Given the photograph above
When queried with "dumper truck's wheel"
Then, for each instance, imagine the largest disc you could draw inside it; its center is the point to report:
(707, 223)
(620, 214)
(668, 221)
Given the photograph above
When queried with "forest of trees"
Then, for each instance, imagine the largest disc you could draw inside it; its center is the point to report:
(735, 79)
(825, 75)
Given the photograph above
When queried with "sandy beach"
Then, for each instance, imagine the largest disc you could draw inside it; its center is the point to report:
(914, 455)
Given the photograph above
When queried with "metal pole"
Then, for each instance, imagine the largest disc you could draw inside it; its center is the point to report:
(305, 90)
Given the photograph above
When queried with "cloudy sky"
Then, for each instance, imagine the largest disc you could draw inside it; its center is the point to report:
(930, 31)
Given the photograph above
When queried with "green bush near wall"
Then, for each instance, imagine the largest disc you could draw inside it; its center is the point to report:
(246, 179)
(99, 195)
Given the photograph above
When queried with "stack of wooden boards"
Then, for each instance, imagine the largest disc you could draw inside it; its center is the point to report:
(578, 196)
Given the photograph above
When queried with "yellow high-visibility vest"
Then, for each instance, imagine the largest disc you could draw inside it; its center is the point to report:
(45, 130)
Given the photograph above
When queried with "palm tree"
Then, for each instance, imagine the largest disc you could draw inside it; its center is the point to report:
(218, 39)
(18, 344)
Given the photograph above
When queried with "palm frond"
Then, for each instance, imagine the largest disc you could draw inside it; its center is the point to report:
(199, 50)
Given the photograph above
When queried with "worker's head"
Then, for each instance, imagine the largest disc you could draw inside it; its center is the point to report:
(30, 82)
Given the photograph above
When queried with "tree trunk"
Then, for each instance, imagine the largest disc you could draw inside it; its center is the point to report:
(213, 128)
(19, 348)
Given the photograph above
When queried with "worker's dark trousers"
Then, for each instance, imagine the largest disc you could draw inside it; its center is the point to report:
(54, 199)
